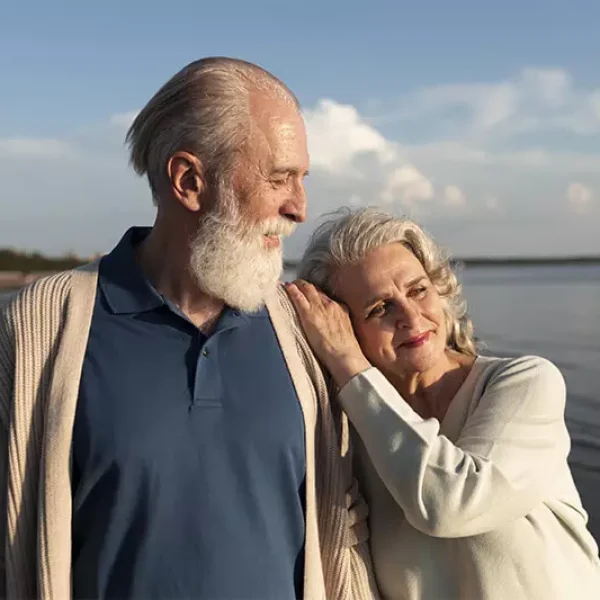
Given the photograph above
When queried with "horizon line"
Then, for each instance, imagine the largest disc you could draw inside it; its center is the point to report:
(504, 260)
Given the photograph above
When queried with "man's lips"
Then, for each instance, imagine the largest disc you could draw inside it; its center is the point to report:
(417, 340)
(272, 241)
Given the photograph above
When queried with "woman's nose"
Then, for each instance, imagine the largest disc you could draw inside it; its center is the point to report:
(408, 315)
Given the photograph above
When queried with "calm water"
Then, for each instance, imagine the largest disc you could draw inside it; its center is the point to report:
(551, 311)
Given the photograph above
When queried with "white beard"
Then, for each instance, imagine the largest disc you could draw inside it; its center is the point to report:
(229, 260)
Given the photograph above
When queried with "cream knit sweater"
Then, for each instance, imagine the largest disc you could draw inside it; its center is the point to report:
(43, 337)
(481, 506)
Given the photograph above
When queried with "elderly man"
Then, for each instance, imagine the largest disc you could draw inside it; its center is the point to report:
(164, 430)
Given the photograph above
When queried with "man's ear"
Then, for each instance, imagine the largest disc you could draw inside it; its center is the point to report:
(186, 175)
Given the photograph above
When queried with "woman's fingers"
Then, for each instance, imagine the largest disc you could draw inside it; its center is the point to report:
(298, 297)
(310, 292)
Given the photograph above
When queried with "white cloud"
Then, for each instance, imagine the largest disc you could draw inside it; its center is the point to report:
(124, 120)
(550, 88)
(495, 107)
(31, 148)
(467, 155)
(580, 197)
(470, 137)
(491, 203)
(338, 136)
(347, 150)
(454, 197)
(535, 99)
(405, 185)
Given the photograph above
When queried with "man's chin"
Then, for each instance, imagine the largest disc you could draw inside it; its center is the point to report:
(253, 303)
(244, 278)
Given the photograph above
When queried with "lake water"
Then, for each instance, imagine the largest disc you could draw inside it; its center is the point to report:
(552, 311)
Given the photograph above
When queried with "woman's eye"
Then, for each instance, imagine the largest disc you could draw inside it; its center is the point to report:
(419, 292)
(379, 311)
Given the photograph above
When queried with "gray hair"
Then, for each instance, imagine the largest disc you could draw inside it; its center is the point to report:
(348, 235)
(205, 110)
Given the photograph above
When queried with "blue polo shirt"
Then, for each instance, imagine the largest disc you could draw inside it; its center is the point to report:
(188, 452)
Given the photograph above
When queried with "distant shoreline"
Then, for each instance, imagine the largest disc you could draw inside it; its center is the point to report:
(528, 261)
(507, 261)
(13, 280)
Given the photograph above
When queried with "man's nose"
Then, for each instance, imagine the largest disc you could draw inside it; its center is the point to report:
(295, 207)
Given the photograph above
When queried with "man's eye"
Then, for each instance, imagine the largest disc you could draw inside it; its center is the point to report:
(278, 181)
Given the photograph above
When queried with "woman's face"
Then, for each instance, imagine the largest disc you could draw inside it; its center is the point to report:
(396, 311)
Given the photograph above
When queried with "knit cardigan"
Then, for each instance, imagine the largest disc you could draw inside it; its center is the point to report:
(43, 337)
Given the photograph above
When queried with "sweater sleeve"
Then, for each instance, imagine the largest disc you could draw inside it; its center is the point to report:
(6, 387)
(498, 469)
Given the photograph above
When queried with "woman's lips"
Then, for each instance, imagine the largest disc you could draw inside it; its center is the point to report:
(417, 340)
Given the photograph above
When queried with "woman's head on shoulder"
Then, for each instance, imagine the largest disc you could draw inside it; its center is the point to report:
(404, 297)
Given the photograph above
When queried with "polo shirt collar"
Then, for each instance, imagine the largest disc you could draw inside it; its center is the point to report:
(126, 289)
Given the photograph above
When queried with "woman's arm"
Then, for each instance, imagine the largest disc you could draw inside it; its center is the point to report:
(500, 467)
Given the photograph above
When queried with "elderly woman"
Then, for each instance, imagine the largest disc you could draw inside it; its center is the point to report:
(463, 458)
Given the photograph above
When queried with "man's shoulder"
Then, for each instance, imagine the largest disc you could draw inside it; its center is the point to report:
(46, 293)
(34, 292)
(5, 298)
(284, 317)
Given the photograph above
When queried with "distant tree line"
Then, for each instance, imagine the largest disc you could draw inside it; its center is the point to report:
(34, 262)
(509, 261)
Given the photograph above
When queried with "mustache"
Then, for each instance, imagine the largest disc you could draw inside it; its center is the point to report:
(279, 226)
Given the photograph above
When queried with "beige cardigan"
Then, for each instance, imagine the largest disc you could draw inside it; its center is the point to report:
(43, 338)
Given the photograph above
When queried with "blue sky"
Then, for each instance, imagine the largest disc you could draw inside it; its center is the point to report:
(481, 120)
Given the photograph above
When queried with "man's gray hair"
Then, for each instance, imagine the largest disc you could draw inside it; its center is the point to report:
(205, 110)
(348, 235)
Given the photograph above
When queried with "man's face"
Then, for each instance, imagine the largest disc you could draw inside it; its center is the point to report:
(268, 178)
(237, 254)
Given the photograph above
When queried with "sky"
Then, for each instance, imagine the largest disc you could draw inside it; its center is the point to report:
(479, 120)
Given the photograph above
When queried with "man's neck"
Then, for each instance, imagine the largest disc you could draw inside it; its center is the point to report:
(165, 263)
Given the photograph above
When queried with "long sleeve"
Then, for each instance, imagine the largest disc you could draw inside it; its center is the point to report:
(498, 470)
(6, 385)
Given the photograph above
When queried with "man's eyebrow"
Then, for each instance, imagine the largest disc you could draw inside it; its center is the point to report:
(282, 169)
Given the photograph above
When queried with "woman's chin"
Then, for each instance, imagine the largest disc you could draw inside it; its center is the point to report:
(418, 360)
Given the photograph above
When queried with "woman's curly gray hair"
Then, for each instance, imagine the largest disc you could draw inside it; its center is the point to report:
(348, 235)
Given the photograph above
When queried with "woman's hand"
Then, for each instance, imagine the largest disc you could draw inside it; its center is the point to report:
(329, 331)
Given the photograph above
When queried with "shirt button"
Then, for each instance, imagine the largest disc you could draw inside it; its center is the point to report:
(205, 352)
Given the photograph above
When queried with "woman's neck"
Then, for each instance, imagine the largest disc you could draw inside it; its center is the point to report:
(431, 392)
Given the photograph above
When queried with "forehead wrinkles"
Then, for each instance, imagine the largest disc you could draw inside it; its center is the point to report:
(373, 277)
(267, 108)
(396, 273)
(271, 138)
